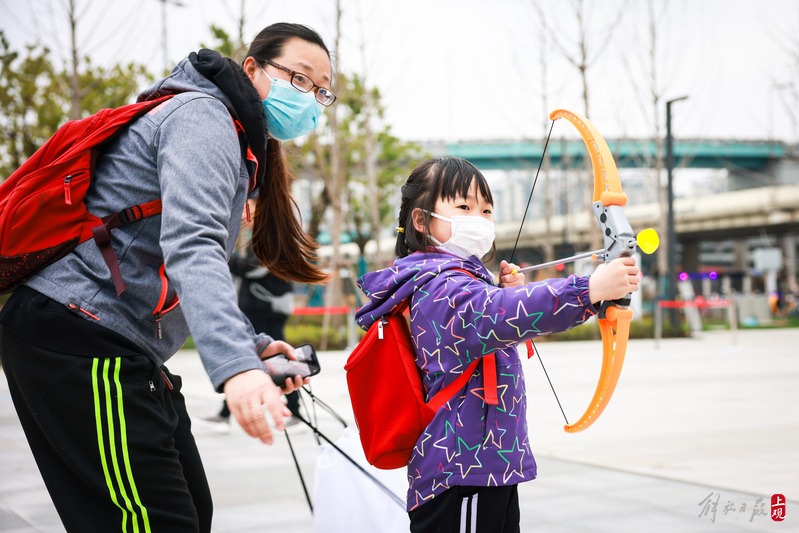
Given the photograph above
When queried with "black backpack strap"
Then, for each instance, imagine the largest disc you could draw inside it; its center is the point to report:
(102, 236)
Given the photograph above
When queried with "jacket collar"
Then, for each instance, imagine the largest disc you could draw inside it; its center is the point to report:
(247, 107)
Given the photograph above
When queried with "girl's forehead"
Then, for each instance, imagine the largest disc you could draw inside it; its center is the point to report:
(472, 194)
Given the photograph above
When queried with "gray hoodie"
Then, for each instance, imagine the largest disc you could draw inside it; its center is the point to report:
(186, 152)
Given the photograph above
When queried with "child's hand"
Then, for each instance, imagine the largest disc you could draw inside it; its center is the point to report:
(506, 279)
(614, 280)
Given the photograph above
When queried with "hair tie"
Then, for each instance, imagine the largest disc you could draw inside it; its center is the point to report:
(400, 229)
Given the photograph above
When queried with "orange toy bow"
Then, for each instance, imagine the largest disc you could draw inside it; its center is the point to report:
(614, 316)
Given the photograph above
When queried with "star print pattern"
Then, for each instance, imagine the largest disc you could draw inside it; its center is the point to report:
(456, 319)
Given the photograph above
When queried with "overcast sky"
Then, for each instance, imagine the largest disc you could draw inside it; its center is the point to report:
(472, 69)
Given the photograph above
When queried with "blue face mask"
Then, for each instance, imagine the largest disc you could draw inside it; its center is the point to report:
(290, 113)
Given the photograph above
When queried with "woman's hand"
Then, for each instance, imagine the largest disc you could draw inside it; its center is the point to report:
(506, 278)
(614, 280)
(276, 347)
(247, 394)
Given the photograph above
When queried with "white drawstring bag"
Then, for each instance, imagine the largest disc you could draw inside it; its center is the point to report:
(347, 501)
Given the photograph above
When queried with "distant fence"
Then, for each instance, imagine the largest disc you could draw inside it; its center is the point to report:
(341, 310)
(352, 332)
(691, 309)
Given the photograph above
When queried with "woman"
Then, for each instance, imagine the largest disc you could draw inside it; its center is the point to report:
(104, 417)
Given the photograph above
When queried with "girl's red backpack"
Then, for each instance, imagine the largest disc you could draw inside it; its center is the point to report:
(387, 394)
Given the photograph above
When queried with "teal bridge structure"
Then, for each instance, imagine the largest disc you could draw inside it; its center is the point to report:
(628, 153)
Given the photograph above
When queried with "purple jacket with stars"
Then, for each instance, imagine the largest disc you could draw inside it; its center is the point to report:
(456, 318)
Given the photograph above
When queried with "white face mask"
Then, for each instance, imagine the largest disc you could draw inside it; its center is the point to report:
(471, 235)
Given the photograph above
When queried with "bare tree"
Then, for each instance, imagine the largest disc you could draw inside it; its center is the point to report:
(656, 92)
(786, 87)
(644, 57)
(549, 245)
(75, 92)
(582, 54)
(370, 146)
(238, 47)
(83, 86)
(523, 63)
(335, 182)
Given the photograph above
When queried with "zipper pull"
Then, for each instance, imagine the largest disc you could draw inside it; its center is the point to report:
(68, 189)
(152, 387)
(380, 329)
(158, 332)
(75, 307)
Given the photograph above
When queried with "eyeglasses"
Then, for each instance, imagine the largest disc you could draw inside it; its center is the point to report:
(304, 84)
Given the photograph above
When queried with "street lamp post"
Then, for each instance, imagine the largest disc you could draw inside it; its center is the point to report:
(671, 276)
(176, 3)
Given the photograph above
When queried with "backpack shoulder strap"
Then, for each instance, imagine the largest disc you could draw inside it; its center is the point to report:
(446, 394)
(102, 236)
(489, 374)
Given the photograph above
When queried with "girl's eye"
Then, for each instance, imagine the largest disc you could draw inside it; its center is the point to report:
(463, 207)
(486, 211)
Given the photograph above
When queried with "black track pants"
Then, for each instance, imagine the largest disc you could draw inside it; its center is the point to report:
(469, 510)
(112, 440)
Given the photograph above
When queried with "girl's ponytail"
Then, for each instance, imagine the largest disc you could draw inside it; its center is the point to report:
(418, 192)
(401, 248)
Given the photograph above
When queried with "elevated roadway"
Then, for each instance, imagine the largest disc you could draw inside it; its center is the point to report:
(719, 216)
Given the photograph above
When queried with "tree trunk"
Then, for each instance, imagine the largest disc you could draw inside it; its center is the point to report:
(549, 246)
(75, 94)
(333, 294)
(371, 179)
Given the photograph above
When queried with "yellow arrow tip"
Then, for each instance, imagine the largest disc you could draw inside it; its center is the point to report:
(648, 241)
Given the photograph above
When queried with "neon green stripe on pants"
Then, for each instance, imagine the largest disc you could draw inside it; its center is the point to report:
(123, 430)
(112, 450)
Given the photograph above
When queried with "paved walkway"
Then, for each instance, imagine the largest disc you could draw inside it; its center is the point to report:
(697, 423)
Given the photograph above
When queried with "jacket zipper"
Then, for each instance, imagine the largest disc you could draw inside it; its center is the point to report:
(159, 310)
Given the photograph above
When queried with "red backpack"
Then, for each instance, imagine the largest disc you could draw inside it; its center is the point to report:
(387, 394)
(42, 213)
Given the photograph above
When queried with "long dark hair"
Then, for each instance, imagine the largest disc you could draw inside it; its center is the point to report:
(444, 177)
(278, 239)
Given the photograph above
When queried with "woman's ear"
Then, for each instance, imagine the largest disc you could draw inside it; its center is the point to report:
(250, 67)
(419, 219)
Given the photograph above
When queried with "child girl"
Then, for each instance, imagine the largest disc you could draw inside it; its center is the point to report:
(466, 466)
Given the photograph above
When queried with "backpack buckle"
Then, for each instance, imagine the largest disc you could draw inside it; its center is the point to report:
(131, 214)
